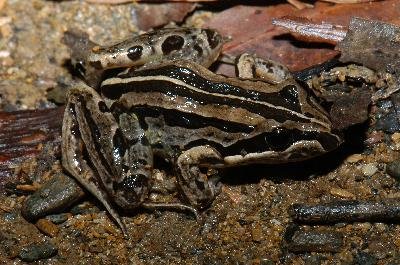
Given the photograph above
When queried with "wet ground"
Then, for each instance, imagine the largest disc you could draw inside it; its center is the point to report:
(249, 221)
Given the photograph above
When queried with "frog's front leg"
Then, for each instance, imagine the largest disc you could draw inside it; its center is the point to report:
(113, 160)
(197, 187)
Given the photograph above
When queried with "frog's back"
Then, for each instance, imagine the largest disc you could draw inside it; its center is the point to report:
(189, 106)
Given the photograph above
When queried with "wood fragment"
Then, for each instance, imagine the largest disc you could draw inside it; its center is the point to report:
(310, 30)
(373, 44)
(347, 211)
(22, 133)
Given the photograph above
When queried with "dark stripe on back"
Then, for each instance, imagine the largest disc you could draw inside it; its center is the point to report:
(96, 135)
(115, 91)
(192, 78)
(277, 140)
(173, 118)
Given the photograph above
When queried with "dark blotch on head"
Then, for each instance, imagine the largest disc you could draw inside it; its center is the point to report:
(290, 94)
(103, 107)
(199, 50)
(135, 52)
(172, 43)
(213, 38)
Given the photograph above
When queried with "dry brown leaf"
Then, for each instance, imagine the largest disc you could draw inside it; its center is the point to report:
(251, 30)
(150, 16)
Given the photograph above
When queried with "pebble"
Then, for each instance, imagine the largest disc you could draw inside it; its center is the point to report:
(341, 193)
(393, 169)
(55, 195)
(396, 140)
(354, 158)
(58, 218)
(365, 259)
(10, 217)
(47, 227)
(315, 241)
(369, 169)
(38, 251)
(84, 209)
(256, 232)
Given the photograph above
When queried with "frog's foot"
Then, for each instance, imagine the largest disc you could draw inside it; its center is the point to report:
(250, 67)
(197, 187)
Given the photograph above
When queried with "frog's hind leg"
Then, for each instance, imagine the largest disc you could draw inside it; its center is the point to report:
(198, 188)
(75, 150)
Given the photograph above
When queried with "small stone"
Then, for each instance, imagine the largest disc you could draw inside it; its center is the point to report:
(354, 158)
(341, 193)
(396, 141)
(395, 195)
(55, 195)
(396, 138)
(38, 251)
(10, 217)
(315, 241)
(266, 261)
(58, 218)
(365, 259)
(369, 169)
(256, 232)
(84, 209)
(364, 227)
(393, 169)
(47, 227)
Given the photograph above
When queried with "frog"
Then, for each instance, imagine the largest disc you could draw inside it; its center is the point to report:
(166, 103)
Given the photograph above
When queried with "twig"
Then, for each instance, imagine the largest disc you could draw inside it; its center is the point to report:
(304, 27)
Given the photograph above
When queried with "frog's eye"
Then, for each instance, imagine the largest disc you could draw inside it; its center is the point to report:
(131, 191)
(135, 53)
